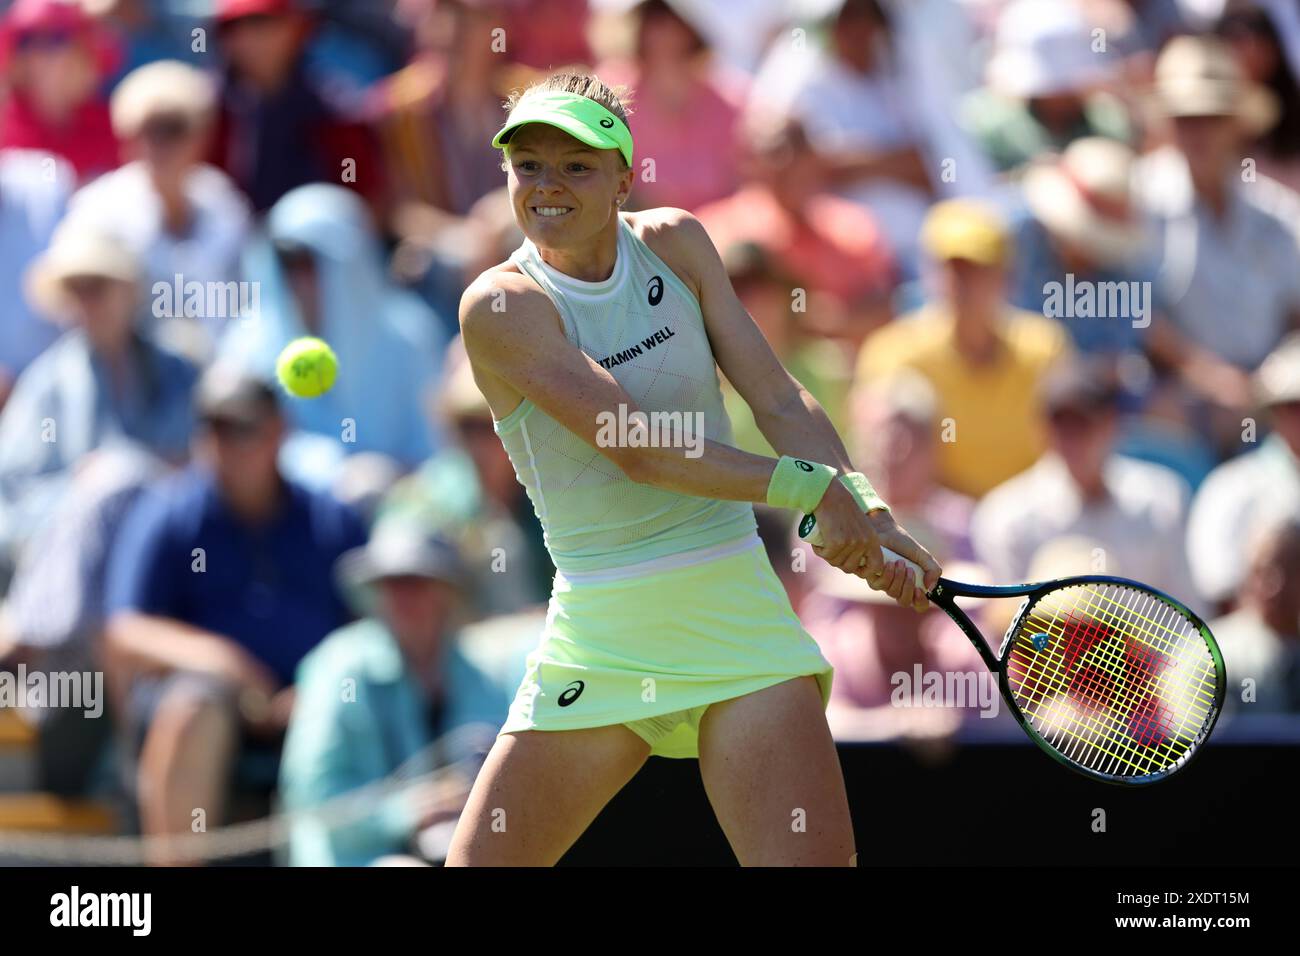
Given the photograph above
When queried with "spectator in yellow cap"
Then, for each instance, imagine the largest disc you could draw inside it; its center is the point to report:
(983, 358)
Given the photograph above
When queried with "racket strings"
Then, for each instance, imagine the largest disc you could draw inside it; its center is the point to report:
(1125, 683)
(1102, 615)
(1104, 705)
(1096, 643)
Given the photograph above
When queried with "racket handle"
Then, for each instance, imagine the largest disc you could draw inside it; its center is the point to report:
(809, 531)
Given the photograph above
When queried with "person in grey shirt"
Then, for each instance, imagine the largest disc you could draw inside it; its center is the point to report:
(1230, 237)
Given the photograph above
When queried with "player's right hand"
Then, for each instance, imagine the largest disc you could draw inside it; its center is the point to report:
(898, 579)
(851, 541)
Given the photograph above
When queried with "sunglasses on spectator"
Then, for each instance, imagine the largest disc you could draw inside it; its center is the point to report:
(1074, 419)
(253, 19)
(87, 287)
(45, 39)
(294, 257)
(227, 429)
(166, 130)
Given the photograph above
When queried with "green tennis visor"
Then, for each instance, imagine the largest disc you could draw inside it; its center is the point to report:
(583, 119)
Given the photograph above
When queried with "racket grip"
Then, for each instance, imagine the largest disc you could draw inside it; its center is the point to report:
(809, 531)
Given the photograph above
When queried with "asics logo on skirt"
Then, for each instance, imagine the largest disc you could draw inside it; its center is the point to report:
(571, 693)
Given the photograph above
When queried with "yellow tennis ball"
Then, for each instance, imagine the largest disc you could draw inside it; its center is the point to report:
(307, 367)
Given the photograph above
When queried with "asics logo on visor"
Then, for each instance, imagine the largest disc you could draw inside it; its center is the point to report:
(607, 123)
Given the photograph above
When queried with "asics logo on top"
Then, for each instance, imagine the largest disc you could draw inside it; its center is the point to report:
(656, 290)
(571, 693)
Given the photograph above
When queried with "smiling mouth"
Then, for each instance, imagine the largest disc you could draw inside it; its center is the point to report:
(551, 212)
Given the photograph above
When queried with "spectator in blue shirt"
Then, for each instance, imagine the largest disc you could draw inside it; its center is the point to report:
(220, 584)
(385, 693)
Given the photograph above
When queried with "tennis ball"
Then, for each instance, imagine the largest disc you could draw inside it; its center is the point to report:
(307, 367)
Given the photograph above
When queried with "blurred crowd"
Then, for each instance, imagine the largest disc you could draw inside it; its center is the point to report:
(1038, 259)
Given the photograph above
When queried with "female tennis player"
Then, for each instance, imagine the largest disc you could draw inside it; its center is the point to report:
(668, 632)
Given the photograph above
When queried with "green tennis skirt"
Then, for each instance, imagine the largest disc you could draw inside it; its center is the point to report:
(653, 648)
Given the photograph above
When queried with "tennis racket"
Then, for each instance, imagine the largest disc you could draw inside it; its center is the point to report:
(1110, 677)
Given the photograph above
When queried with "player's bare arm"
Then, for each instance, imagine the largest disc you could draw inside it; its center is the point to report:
(789, 417)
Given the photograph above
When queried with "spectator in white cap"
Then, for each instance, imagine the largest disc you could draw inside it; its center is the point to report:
(101, 382)
(1239, 491)
(1045, 89)
(185, 219)
(413, 685)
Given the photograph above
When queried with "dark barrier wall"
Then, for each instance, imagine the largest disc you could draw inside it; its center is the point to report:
(993, 803)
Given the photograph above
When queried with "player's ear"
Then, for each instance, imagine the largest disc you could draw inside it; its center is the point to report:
(624, 186)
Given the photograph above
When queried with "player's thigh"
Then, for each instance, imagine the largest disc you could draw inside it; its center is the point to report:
(539, 790)
(773, 777)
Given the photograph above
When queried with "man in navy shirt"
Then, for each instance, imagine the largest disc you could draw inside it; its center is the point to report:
(221, 582)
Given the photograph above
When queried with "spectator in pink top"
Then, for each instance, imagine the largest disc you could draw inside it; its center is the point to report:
(824, 242)
(876, 651)
(683, 119)
(54, 58)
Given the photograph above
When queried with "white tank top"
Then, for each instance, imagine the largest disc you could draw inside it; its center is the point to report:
(646, 328)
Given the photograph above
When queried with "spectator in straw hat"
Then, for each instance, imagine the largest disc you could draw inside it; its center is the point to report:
(182, 217)
(54, 59)
(1085, 229)
(412, 684)
(101, 382)
(1218, 222)
(1237, 492)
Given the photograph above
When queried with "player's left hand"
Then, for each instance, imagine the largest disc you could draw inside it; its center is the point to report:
(898, 579)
